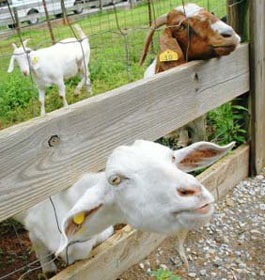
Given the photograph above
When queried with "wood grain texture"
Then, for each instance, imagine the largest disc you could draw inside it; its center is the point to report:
(257, 66)
(128, 246)
(47, 154)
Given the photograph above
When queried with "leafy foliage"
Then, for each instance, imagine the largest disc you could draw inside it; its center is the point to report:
(164, 274)
(226, 124)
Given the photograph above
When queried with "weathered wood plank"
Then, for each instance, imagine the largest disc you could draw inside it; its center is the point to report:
(128, 246)
(32, 169)
(257, 67)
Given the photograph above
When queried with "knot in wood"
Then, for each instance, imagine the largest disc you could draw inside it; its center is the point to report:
(54, 141)
(196, 77)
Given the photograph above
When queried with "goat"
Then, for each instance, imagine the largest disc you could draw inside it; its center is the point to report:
(191, 33)
(44, 232)
(146, 186)
(50, 66)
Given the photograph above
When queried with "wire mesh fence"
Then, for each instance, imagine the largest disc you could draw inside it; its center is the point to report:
(116, 32)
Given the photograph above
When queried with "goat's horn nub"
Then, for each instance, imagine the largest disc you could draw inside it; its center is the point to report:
(159, 22)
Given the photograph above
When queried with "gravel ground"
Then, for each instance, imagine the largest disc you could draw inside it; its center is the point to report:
(231, 247)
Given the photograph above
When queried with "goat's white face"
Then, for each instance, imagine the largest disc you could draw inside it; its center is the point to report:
(21, 58)
(153, 193)
(146, 185)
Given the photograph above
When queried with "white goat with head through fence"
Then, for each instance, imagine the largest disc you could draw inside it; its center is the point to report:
(146, 186)
(50, 66)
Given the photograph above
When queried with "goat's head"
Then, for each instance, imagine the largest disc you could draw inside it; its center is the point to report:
(146, 185)
(193, 33)
(20, 56)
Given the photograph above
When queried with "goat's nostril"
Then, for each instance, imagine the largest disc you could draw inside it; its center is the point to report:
(226, 34)
(187, 192)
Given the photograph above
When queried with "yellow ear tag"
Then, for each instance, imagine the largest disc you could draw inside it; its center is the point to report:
(79, 218)
(35, 60)
(168, 55)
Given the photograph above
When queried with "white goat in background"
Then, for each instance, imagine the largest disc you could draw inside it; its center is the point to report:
(50, 66)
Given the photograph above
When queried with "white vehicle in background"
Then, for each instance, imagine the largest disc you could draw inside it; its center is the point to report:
(31, 10)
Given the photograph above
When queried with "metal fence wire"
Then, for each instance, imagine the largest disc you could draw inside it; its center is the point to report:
(116, 30)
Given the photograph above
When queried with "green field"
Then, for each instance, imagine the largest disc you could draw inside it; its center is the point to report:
(110, 66)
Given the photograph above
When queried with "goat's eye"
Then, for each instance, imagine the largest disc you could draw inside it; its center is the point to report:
(173, 158)
(182, 27)
(115, 180)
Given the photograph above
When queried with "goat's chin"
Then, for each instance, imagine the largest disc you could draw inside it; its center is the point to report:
(224, 50)
(194, 219)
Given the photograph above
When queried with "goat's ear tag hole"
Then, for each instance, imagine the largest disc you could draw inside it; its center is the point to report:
(168, 55)
(35, 60)
(79, 218)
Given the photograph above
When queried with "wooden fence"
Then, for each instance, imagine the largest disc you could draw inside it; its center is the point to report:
(47, 154)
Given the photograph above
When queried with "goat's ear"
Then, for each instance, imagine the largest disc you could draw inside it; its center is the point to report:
(200, 155)
(11, 64)
(14, 46)
(25, 42)
(170, 53)
(84, 219)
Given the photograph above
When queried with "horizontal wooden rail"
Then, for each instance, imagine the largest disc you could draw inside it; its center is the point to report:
(47, 154)
(128, 246)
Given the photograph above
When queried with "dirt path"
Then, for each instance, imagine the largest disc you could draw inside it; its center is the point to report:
(232, 247)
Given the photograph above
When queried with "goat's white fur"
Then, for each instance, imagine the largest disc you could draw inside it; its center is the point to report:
(223, 28)
(50, 66)
(190, 9)
(41, 223)
(146, 196)
(151, 70)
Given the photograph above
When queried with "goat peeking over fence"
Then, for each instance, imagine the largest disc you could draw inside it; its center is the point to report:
(191, 33)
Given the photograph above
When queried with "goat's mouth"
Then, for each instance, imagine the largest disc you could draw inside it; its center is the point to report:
(224, 49)
(224, 46)
(204, 209)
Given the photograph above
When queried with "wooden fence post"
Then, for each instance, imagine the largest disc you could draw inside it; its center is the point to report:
(237, 15)
(48, 21)
(257, 83)
(100, 5)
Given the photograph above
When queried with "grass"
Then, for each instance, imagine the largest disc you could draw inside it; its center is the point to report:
(108, 66)
(164, 274)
